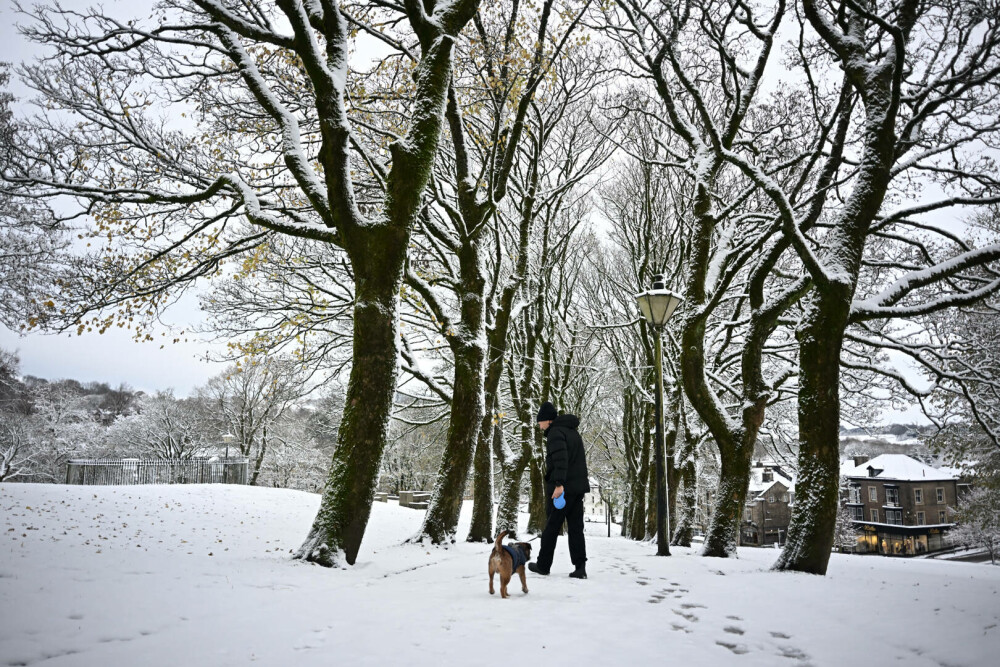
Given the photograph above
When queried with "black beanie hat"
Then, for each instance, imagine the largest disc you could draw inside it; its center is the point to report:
(547, 412)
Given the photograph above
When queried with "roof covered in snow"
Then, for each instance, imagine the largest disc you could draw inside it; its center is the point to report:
(757, 484)
(894, 466)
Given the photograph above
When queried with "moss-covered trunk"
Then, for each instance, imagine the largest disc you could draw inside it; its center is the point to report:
(481, 529)
(734, 479)
(467, 342)
(811, 532)
(353, 477)
(441, 519)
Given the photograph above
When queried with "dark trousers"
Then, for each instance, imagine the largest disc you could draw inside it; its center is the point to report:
(572, 514)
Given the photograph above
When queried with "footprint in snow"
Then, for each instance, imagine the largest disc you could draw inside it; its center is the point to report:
(685, 615)
(738, 649)
(792, 652)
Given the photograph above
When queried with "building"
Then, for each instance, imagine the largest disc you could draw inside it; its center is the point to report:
(900, 506)
(768, 508)
(595, 508)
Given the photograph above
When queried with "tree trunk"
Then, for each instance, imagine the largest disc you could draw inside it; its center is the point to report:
(670, 444)
(673, 480)
(467, 404)
(350, 486)
(481, 529)
(641, 480)
(510, 493)
(510, 499)
(734, 479)
(649, 523)
(811, 532)
(634, 496)
(684, 528)
(441, 519)
(536, 503)
(260, 459)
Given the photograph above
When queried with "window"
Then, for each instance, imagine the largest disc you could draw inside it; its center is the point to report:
(858, 513)
(747, 514)
(854, 493)
(891, 496)
(921, 519)
(875, 516)
(918, 496)
(784, 497)
(940, 495)
(895, 517)
(873, 494)
(770, 498)
(942, 517)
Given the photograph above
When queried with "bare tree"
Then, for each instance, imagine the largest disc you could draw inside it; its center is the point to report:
(164, 428)
(705, 64)
(979, 521)
(251, 400)
(908, 69)
(274, 150)
(507, 68)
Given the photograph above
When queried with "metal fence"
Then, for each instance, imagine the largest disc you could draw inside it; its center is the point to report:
(116, 472)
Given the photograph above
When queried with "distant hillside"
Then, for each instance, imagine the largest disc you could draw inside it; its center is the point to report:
(909, 439)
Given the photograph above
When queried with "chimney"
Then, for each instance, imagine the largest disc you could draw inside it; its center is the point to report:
(858, 460)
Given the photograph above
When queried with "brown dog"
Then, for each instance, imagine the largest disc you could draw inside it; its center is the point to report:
(503, 562)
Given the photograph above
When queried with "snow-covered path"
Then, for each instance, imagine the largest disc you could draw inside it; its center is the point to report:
(201, 575)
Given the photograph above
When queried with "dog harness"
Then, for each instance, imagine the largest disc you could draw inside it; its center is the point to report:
(516, 556)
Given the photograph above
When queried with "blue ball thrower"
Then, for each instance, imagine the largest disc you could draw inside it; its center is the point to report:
(560, 501)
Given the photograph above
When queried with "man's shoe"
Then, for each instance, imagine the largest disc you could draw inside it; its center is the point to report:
(578, 573)
(534, 568)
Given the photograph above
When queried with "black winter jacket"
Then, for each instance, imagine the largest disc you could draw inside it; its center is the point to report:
(565, 460)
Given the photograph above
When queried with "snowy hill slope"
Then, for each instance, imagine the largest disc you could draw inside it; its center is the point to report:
(201, 575)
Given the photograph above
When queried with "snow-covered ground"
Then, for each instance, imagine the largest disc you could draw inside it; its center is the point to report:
(201, 575)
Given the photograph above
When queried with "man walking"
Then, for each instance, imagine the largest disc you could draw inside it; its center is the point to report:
(565, 475)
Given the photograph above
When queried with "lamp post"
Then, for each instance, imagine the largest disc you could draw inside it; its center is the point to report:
(657, 305)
